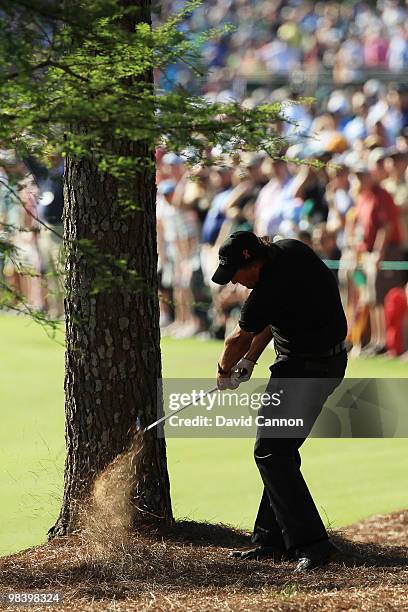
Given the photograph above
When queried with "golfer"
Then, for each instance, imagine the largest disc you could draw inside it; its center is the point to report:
(295, 301)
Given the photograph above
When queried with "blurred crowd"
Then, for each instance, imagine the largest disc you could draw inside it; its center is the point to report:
(347, 199)
(299, 39)
(31, 207)
(352, 57)
(339, 184)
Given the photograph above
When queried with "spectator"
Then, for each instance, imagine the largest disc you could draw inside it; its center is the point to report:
(377, 223)
(310, 185)
(221, 180)
(396, 183)
(49, 182)
(356, 128)
(178, 239)
(22, 268)
(339, 198)
(273, 198)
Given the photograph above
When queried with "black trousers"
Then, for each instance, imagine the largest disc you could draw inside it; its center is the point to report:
(287, 515)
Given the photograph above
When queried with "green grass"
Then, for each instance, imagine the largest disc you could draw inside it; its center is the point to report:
(212, 479)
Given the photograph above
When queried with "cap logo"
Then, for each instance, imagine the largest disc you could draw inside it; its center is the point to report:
(223, 261)
(246, 254)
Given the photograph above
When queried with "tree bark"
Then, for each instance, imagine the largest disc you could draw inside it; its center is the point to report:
(112, 363)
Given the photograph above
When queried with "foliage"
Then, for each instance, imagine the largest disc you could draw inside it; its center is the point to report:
(77, 78)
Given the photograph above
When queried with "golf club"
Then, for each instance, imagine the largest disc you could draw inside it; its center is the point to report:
(167, 416)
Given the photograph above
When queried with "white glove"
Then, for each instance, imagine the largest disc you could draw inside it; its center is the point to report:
(243, 370)
(227, 382)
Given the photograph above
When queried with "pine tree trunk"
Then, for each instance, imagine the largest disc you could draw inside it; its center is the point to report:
(112, 341)
(112, 363)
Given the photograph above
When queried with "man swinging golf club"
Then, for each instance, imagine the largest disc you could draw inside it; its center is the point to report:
(294, 300)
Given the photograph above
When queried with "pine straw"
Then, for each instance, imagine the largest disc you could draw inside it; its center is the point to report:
(111, 567)
(188, 569)
(107, 517)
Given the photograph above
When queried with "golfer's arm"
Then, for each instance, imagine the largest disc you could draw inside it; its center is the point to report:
(235, 347)
(259, 343)
(241, 343)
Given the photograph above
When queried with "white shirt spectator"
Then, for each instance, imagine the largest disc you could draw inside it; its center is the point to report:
(280, 57)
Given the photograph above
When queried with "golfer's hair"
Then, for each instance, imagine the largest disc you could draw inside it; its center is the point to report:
(266, 254)
(265, 240)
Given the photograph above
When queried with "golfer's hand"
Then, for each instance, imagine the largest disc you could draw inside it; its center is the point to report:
(226, 382)
(243, 370)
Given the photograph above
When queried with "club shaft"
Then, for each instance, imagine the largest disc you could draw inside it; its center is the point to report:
(167, 416)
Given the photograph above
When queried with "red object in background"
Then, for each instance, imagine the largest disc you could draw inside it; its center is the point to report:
(375, 209)
(159, 154)
(395, 308)
(375, 52)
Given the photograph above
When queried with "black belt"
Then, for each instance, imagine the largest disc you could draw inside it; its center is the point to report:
(334, 350)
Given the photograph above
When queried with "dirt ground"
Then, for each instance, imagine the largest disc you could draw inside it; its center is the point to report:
(189, 569)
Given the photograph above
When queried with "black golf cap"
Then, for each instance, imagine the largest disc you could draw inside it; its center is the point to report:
(239, 249)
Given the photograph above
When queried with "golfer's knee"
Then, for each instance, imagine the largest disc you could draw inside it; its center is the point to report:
(270, 450)
(264, 451)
